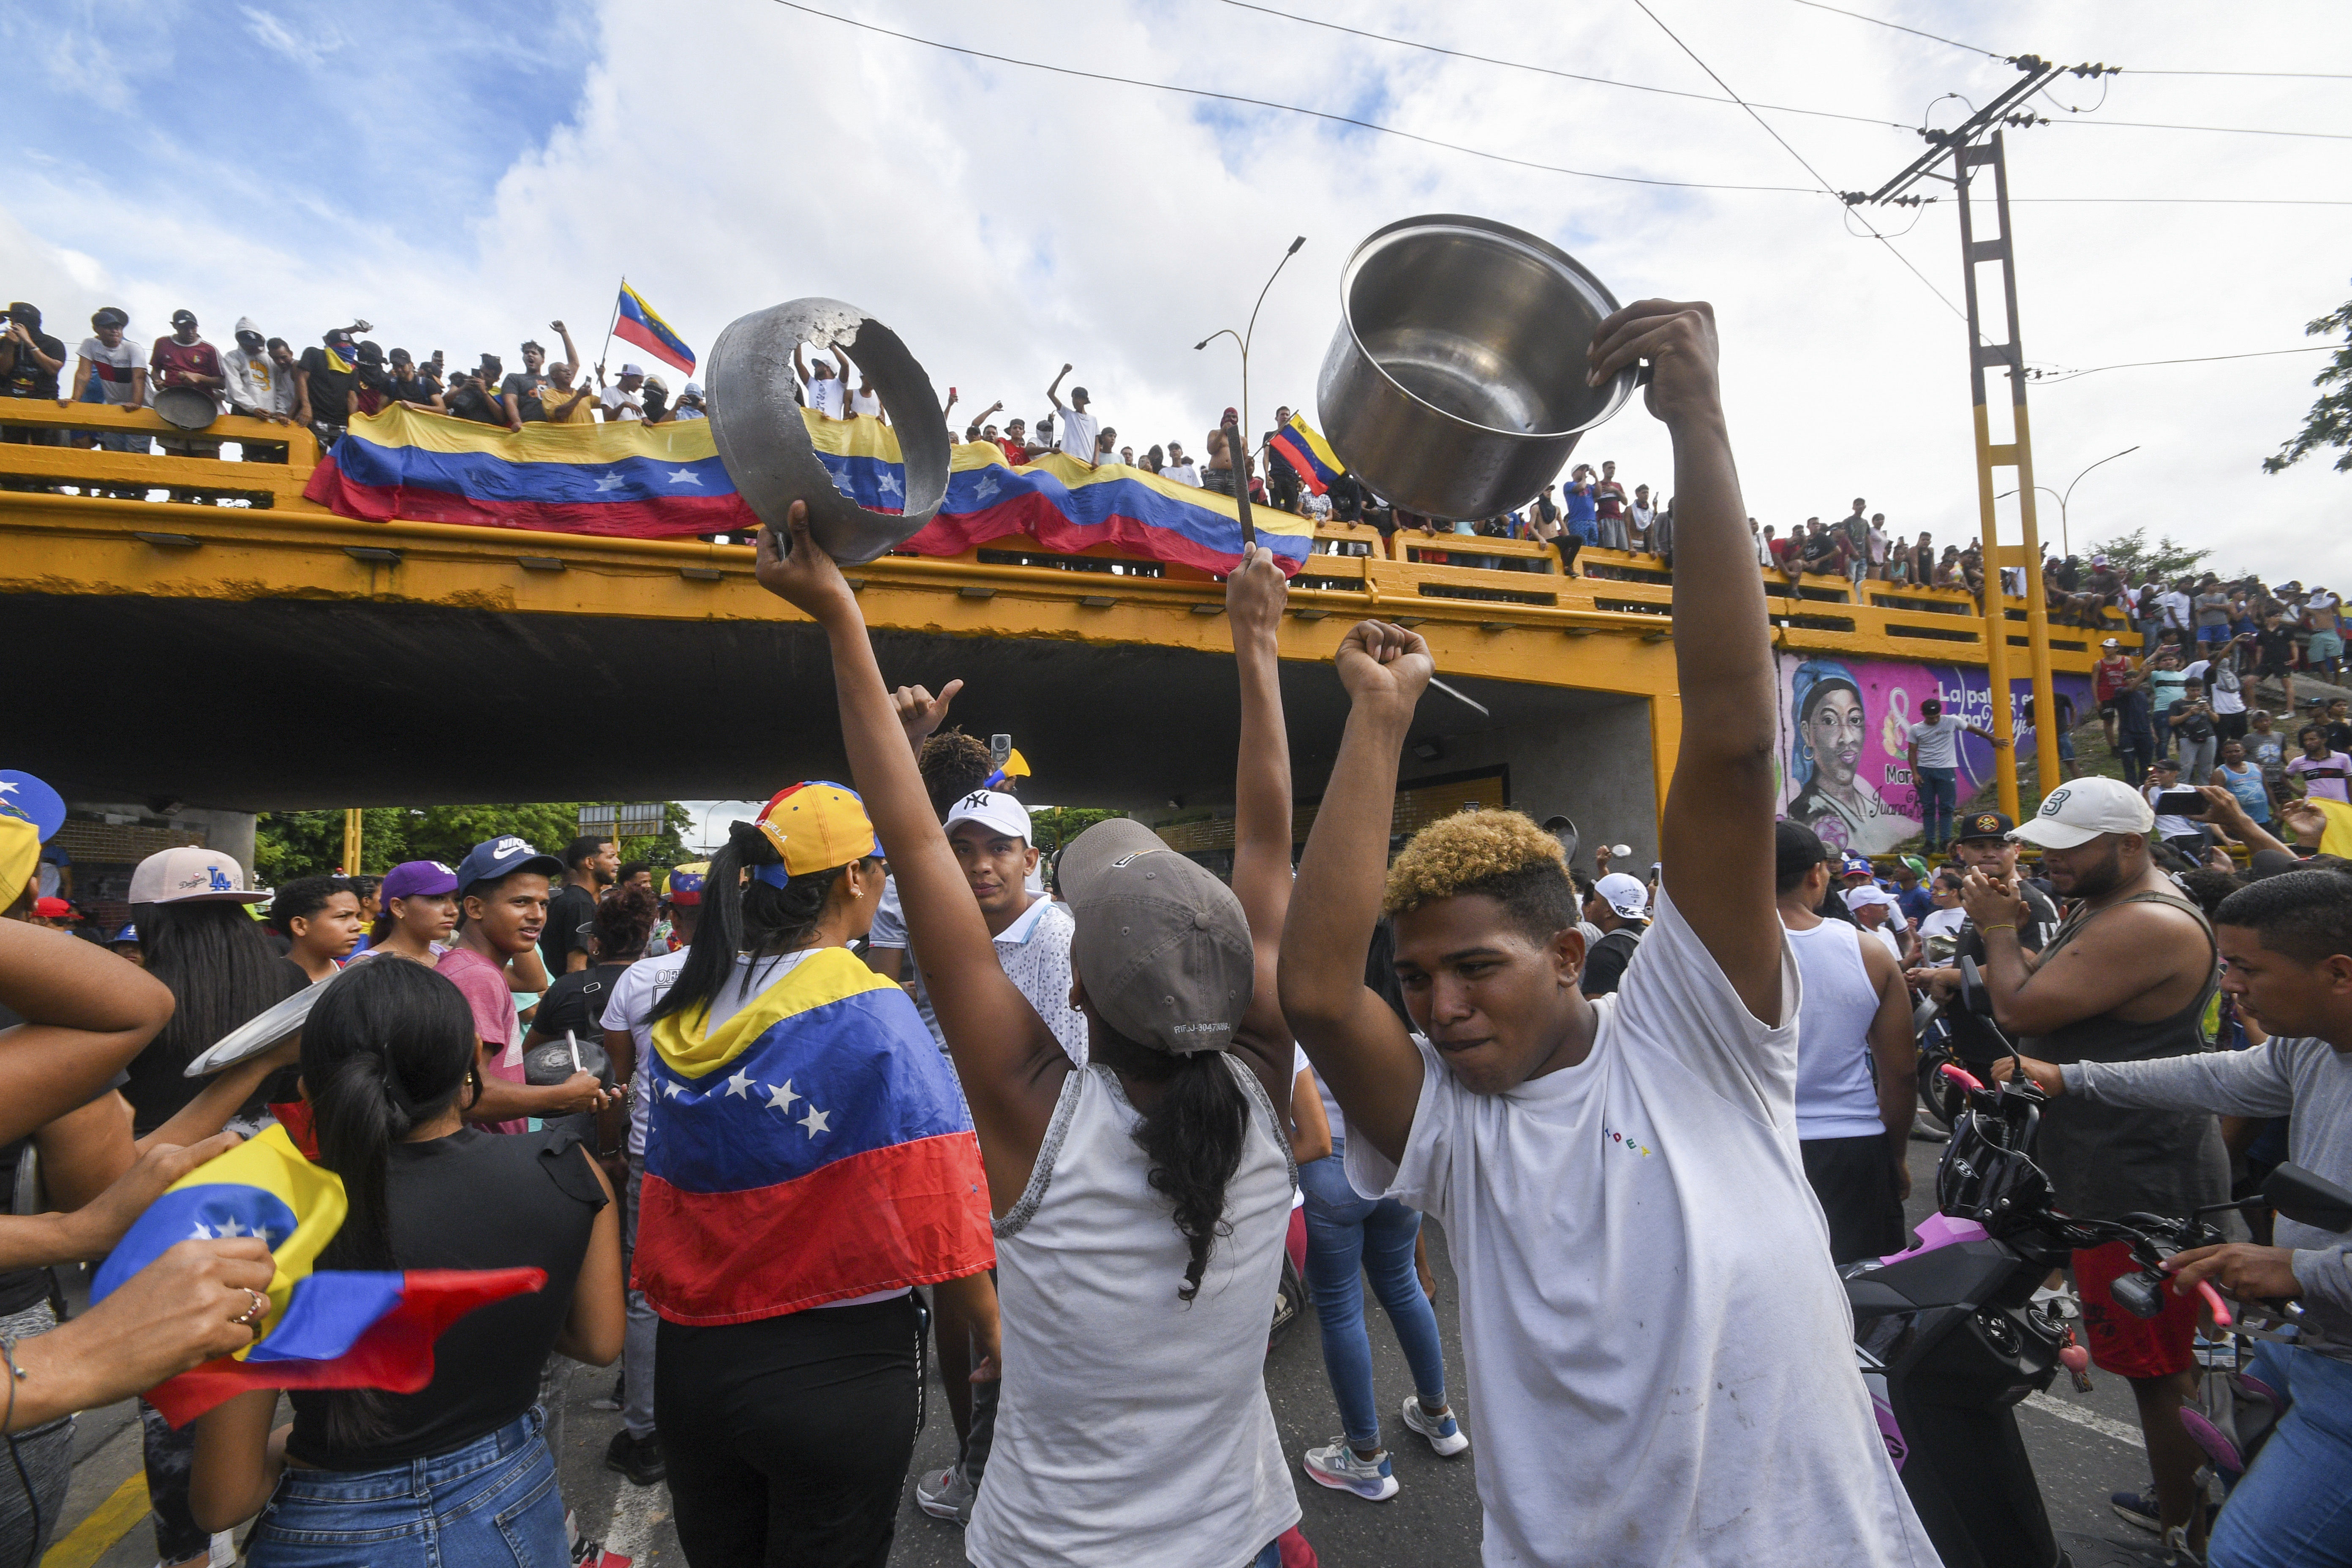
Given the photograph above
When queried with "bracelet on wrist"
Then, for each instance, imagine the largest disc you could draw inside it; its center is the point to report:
(2006, 925)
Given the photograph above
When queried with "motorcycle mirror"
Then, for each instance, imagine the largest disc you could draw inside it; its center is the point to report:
(1973, 996)
(2308, 1199)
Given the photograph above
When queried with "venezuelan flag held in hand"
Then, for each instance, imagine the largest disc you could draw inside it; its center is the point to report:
(325, 1328)
(638, 322)
(647, 481)
(811, 1148)
(1310, 457)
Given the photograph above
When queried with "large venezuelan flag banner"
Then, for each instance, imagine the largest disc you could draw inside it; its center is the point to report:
(813, 1148)
(326, 1327)
(647, 481)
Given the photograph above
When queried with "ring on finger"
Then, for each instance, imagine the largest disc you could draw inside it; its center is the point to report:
(252, 1313)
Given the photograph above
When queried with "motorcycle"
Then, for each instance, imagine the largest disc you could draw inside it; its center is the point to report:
(1951, 1336)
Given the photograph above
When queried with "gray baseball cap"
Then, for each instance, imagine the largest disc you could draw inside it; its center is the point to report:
(1161, 947)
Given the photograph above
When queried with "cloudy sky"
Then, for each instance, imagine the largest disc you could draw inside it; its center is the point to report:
(460, 175)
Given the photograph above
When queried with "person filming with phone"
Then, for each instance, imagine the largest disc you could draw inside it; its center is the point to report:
(2288, 941)
(2126, 979)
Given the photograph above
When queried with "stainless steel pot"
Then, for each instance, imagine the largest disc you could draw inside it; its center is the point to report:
(764, 442)
(1454, 385)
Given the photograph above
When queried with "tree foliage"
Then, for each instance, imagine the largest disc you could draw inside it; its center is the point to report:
(2330, 423)
(2167, 559)
(289, 843)
(1058, 824)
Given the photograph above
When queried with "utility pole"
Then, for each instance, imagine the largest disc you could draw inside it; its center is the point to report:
(1961, 145)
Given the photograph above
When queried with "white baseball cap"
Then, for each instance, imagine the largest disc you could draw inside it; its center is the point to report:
(191, 875)
(1624, 894)
(2081, 809)
(1863, 897)
(994, 810)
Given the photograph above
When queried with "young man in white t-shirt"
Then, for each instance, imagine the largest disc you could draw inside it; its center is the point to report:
(826, 393)
(1081, 431)
(1661, 1367)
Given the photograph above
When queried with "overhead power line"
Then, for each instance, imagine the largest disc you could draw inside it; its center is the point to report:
(1564, 76)
(1880, 22)
(1827, 189)
(1287, 108)
(1376, 126)
(2050, 376)
(1995, 55)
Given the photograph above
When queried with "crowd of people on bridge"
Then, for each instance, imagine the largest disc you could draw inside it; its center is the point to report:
(881, 1080)
(320, 387)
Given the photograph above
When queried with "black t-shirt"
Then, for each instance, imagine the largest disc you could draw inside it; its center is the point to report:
(415, 389)
(24, 377)
(1605, 966)
(474, 1200)
(2196, 726)
(571, 919)
(329, 389)
(470, 402)
(525, 388)
(2276, 646)
(576, 1002)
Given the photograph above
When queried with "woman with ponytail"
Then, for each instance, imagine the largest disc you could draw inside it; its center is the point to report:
(1142, 1200)
(808, 1163)
(459, 1472)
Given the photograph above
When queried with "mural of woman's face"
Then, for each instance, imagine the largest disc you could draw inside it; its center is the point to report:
(1833, 729)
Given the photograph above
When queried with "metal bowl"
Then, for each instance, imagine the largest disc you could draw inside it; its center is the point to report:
(1454, 385)
(764, 442)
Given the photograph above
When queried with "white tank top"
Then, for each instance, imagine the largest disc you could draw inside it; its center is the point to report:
(1837, 1086)
(866, 404)
(1131, 1427)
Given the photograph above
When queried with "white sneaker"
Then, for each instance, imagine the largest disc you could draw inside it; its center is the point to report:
(945, 1494)
(1444, 1432)
(1341, 1468)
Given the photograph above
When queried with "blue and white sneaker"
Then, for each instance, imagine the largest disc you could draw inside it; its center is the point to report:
(1444, 1432)
(1341, 1469)
(2137, 1508)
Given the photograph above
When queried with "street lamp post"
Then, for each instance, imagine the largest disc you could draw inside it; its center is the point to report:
(1236, 453)
(2065, 539)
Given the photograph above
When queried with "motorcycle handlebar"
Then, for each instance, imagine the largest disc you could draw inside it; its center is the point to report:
(1961, 1076)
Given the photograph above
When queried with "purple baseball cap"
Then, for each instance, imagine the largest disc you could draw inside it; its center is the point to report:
(417, 879)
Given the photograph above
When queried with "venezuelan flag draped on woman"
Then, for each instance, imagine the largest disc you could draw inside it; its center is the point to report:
(648, 481)
(327, 1328)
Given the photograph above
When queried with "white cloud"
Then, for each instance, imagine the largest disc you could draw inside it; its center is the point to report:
(1004, 220)
(273, 34)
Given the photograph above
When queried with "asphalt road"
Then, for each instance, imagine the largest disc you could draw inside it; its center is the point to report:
(2083, 1446)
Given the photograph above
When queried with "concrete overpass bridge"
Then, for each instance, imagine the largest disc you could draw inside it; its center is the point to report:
(239, 649)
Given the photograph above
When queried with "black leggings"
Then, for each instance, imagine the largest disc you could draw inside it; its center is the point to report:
(788, 1439)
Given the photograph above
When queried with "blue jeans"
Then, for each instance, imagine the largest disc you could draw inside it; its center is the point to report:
(491, 1504)
(1940, 796)
(1349, 1236)
(2293, 1510)
(637, 1343)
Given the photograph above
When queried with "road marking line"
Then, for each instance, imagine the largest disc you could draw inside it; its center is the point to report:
(636, 1511)
(2130, 1436)
(107, 1523)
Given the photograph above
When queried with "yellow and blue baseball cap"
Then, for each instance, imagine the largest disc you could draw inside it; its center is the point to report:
(815, 827)
(685, 883)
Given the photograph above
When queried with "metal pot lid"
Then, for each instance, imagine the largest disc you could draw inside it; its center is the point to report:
(187, 407)
(258, 1034)
(764, 442)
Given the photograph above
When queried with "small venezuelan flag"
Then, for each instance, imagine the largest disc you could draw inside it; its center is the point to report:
(1310, 457)
(326, 1327)
(641, 324)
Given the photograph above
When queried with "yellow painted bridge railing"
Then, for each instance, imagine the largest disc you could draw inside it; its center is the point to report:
(231, 527)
